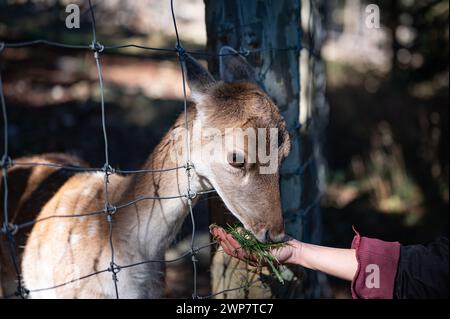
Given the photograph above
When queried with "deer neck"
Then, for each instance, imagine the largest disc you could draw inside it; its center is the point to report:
(151, 225)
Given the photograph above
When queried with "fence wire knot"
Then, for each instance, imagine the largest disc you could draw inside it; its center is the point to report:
(22, 292)
(114, 269)
(97, 46)
(6, 161)
(110, 209)
(194, 253)
(191, 194)
(244, 51)
(189, 166)
(9, 229)
(180, 51)
(108, 170)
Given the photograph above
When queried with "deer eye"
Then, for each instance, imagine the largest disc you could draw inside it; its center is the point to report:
(236, 160)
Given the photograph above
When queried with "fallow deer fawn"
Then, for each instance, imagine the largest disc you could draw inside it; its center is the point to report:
(62, 249)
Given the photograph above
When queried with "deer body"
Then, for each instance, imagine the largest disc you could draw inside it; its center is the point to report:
(59, 250)
(141, 232)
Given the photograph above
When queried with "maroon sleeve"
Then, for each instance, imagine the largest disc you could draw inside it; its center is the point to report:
(377, 268)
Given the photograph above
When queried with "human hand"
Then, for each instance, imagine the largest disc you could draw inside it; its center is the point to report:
(285, 254)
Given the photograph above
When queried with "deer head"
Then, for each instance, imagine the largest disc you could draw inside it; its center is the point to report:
(235, 126)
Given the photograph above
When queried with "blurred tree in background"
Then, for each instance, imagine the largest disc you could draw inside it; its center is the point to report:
(387, 141)
(388, 133)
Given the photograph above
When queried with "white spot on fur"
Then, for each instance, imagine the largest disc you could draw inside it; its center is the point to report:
(74, 239)
(197, 97)
(86, 192)
(99, 175)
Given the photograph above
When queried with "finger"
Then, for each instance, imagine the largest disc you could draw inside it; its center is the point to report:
(216, 231)
(213, 231)
(231, 246)
(220, 234)
(236, 251)
(232, 241)
(225, 248)
(228, 249)
(239, 250)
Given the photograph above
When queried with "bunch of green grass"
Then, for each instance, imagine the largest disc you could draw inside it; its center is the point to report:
(261, 251)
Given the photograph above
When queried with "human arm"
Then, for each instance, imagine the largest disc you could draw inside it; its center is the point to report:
(377, 269)
(341, 263)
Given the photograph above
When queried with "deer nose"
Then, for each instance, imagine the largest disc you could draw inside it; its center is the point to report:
(269, 238)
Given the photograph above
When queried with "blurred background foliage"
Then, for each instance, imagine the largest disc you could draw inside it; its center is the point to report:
(388, 131)
(387, 138)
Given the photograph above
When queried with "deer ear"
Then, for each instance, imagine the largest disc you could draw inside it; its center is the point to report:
(198, 78)
(234, 67)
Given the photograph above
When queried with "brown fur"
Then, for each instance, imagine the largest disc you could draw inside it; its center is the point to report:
(29, 189)
(243, 104)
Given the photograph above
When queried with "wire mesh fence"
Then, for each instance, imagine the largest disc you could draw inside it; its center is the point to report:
(9, 230)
